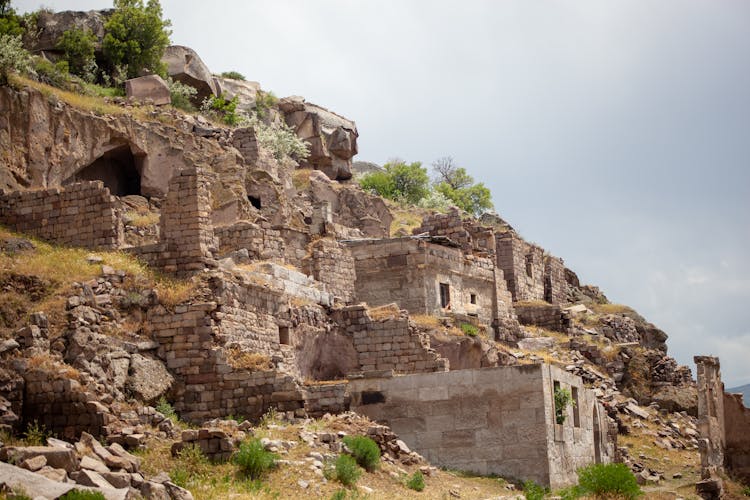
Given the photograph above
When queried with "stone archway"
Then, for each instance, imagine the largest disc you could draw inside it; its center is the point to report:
(118, 168)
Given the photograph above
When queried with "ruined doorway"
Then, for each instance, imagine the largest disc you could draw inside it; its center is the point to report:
(597, 437)
(119, 169)
(445, 295)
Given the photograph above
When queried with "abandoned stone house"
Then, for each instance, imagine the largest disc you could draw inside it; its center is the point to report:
(498, 420)
(306, 280)
(723, 423)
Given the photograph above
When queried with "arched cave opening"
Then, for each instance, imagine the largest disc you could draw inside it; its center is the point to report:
(254, 201)
(118, 169)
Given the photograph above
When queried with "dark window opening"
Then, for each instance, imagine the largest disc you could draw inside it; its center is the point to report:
(473, 298)
(530, 266)
(254, 201)
(284, 335)
(576, 411)
(473, 315)
(118, 169)
(372, 397)
(308, 220)
(445, 295)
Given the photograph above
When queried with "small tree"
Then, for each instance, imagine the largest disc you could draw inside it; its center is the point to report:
(136, 37)
(10, 22)
(399, 181)
(458, 186)
(78, 46)
(13, 57)
(563, 399)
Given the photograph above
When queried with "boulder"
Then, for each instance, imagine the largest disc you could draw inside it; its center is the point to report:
(185, 66)
(56, 457)
(677, 398)
(332, 138)
(244, 90)
(149, 378)
(50, 26)
(151, 87)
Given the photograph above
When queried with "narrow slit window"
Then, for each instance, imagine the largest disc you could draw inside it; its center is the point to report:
(473, 298)
(576, 411)
(284, 335)
(445, 295)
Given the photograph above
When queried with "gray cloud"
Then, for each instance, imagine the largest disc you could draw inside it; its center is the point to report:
(612, 133)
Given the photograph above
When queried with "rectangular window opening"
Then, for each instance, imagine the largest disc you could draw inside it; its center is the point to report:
(576, 411)
(284, 335)
(473, 298)
(445, 295)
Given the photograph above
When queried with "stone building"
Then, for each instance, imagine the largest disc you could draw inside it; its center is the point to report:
(493, 420)
(430, 276)
(723, 422)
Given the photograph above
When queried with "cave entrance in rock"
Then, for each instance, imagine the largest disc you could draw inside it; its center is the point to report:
(119, 169)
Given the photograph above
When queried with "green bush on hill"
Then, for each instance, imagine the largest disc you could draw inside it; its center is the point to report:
(364, 450)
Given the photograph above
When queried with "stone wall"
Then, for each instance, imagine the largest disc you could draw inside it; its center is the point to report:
(548, 316)
(326, 398)
(187, 242)
(737, 437)
(710, 416)
(523, 266)
(61, 406)
(412, 272)
(469, 235)
(384, 341)
(555, 285)
(487, 421)
(83, 214)
(261, 241)
(332, 264)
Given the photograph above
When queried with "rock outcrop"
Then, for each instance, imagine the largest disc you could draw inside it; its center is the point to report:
(186, 66)
(332, 138)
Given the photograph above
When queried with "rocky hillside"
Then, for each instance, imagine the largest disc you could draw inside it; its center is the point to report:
(224, 306)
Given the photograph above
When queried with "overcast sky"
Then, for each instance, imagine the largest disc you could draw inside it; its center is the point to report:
(615, 134)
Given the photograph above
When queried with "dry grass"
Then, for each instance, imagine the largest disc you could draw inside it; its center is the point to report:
(406, 219)
(172, 292)
(610, 308)
(426, 321)
(382, 313)
(50, 364)
(137, 219)
(301, 179)
(93, 104)
(245, 360)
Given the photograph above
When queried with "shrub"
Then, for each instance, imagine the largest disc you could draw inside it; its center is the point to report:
(13, 57)
(469, 329)
(35, 435)
(416, 482)
(136, 37)
(219, 107)
(181, 94)
(364, 450)
(609, 479)
(263, 102)
(399, 181)
(253, 459)
(346, 470)
(458, 186)
(233, 75)
(280, 140)
(78, 46)
(165, 408)
(563, 398)
(435, 200)
(83, 495)
(533, 491)
(746, 491)
(190, 462)
(54, 74)
(339, 495)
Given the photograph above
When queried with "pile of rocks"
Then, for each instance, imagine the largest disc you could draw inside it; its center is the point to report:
(60, 465)
(217, 440)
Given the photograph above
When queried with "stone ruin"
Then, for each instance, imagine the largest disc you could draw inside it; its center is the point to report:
(723, 422)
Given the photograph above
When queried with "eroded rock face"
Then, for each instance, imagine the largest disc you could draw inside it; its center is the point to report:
(244, 90)
(185, 65)
(332, 138)
(151, 87)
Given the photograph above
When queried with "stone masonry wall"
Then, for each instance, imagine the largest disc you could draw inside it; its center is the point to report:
(62, 406)
(470, 236)
(546, 316)
(387, 343)
(261, 241)
(555, 285)
(326, 398)
(332, 264)
(736, 425)
(488, 421)
(82, 214)
(710, 416)
(410, 271)
(523, 266)
(187, 242)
